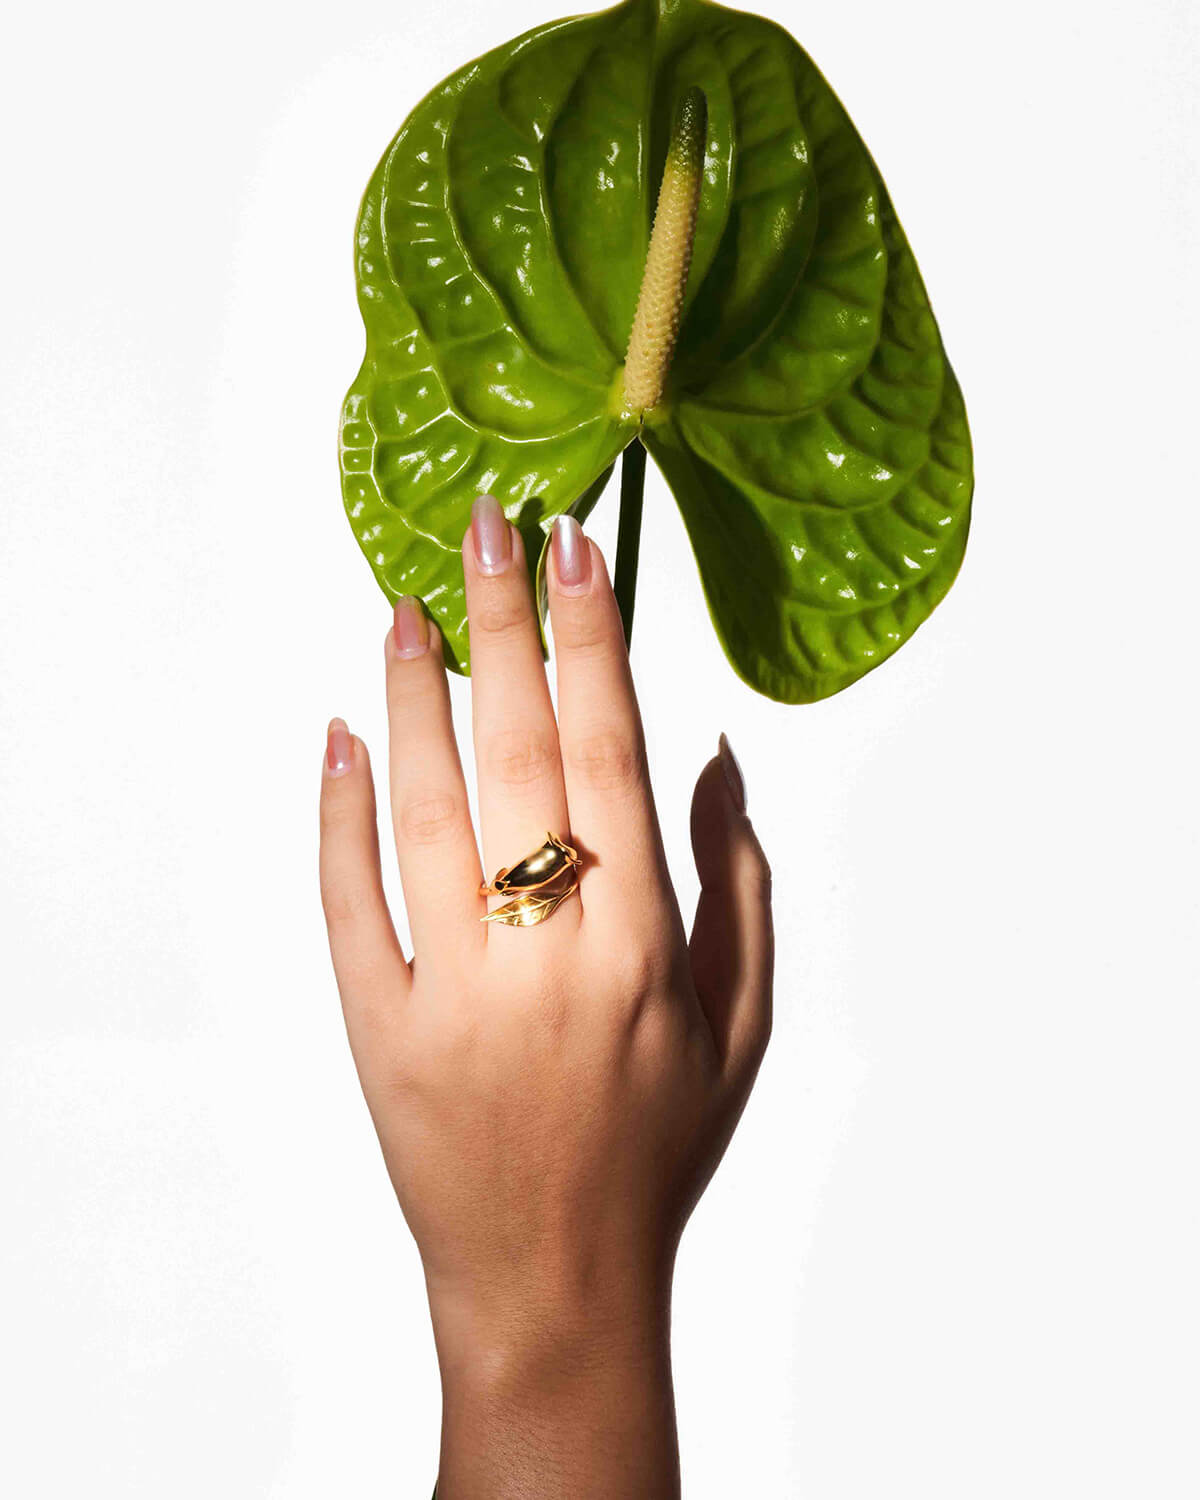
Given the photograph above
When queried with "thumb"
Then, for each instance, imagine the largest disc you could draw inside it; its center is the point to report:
(732, 947)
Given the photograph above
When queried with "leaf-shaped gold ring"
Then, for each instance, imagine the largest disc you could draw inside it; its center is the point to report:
(530, 881)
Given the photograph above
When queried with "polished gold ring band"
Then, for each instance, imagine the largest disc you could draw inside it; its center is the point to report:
(539, 884)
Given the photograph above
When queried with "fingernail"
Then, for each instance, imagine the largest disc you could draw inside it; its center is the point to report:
(572, 555)
(339, 748)
(410, 628)
(733, 773)
(491, 535)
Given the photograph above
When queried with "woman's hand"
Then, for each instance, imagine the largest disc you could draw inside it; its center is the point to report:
(550, 1100)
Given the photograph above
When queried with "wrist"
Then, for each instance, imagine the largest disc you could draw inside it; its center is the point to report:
(558, 1394)
(538, 1335)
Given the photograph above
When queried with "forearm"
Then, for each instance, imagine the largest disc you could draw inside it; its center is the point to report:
(580, 1405)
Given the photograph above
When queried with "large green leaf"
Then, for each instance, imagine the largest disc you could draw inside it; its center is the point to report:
(811, 431)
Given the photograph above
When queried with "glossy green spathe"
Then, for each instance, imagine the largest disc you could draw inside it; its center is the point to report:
(811, 429)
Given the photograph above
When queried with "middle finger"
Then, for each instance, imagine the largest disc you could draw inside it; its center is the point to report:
(521, 792)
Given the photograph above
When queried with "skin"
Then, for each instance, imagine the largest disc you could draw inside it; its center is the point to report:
(551, 1101)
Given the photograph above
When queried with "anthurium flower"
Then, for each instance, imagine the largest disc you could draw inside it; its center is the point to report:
(773, 348)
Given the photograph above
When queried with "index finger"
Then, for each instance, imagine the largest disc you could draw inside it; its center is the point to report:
(431, 818)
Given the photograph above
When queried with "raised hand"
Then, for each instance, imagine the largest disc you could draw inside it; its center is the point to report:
(551, 1099)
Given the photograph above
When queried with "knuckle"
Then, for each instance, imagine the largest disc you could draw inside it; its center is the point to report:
(429, 817)
(659, 1031)
(517, 757)
(337, 815)
(584, 629)
(653, 1031)
(353, 906)
(607, 760)
(343, 905)
(755, 871)
(643, 973)
(500, 613)
(762, 877)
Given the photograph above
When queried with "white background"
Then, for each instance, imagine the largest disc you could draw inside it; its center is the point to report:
(953, 1250)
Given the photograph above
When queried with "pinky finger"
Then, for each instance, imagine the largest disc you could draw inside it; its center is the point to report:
(371, 972)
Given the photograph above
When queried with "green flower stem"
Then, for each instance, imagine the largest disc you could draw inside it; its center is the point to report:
(629, 532)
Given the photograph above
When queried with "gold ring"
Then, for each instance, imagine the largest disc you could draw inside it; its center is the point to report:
(539, 884)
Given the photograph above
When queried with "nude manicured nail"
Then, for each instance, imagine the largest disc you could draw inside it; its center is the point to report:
(733, 773)
(491, 535)
(410, 628)
(339, 748)
(572, 555)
